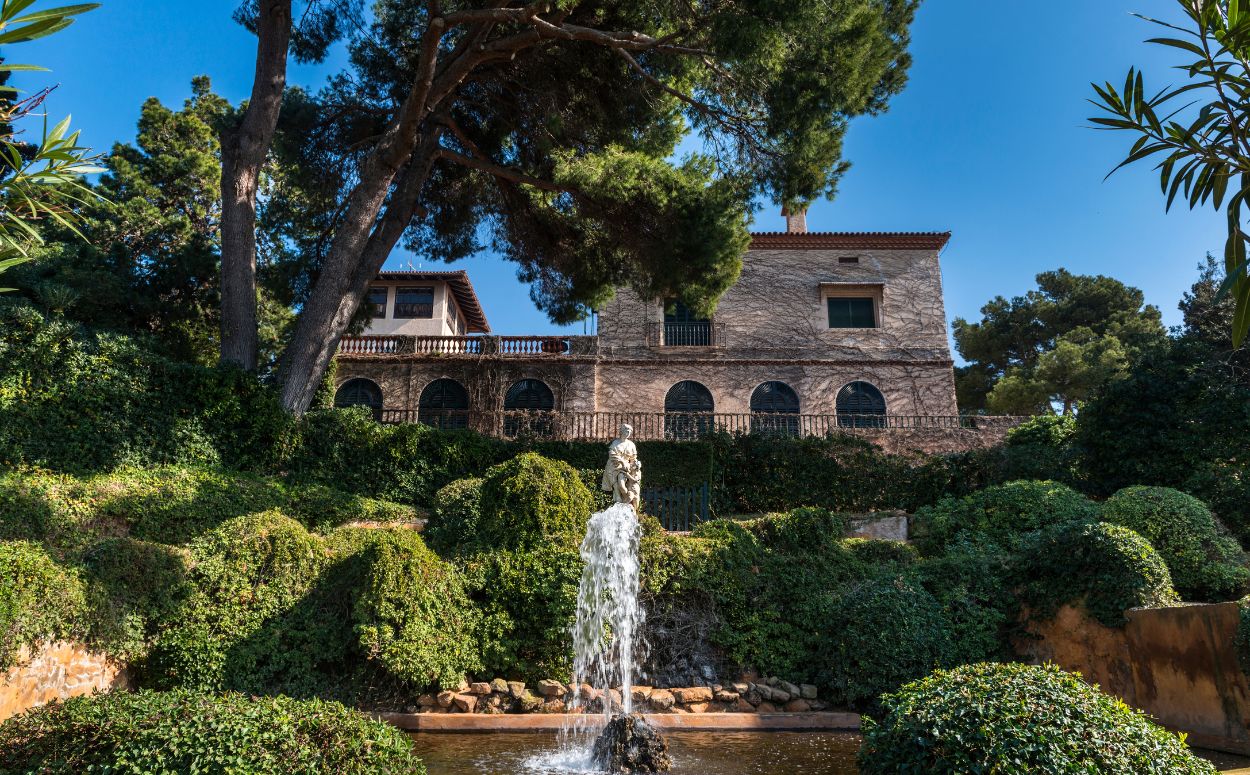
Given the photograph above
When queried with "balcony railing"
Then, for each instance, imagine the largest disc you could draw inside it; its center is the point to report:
(650, 426)
(506, 346)
(700, 334)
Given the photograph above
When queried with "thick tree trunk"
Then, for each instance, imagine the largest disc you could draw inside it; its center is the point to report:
(243, 151)
(348, 271)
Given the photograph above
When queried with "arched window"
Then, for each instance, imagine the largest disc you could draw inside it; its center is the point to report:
(530, 394)
(688, 411)
(527, 405)
(360, 392)
(860, 405)
(444, 404)
(775, 409)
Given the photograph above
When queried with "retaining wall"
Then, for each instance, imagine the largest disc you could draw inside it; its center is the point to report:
(58, 671)
(1177, 664)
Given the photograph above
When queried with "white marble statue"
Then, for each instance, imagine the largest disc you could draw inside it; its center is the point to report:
(622, 476)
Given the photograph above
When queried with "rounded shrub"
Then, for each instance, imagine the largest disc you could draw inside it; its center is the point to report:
(39, 600)
(530, 501)
(149, 732)
(412, 614)
(880, 635)
(1106, 568)
(244, 574)
(452, 527)
(971, 581)
(1206, 563)
(1001, 513)
(1011, 718)
(133, 587)
(528, 601)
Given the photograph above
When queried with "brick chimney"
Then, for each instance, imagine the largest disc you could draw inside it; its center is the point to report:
(796, 222)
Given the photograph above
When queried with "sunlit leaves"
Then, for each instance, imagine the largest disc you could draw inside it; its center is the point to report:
(1199, 131)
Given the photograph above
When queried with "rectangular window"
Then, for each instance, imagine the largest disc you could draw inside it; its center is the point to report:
(414, 303)
(851, 312)
(377, 302)
(848, 259)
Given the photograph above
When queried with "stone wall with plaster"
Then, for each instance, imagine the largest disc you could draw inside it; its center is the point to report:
(58, 671)
(1177, 664)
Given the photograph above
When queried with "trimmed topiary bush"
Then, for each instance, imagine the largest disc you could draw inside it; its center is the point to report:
(1106, 568)
(1206, 563)
(530, 501)
(1010, 718)
(134, 587)
(880, 635)
(1001, 513)
(412, 614)
(452, 527)
(151, 732)
(248, 571)
(528, 601)
(39, 600)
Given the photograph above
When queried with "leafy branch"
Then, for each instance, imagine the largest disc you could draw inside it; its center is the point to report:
(1198, 131)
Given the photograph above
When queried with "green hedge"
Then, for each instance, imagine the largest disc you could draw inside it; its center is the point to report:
(181, 731)
(452, 526)
(1107, 568)
(1001, 513)
(39, 600)
(412, 614)
(880, 635)
(1007, 718)
(165, 504)
(134, 588)
(1206, 564)
(531, 502)
(82, 401)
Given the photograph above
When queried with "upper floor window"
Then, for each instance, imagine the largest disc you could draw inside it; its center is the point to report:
(852, 312)
(848, 259)
(414, 303)
(377, 302)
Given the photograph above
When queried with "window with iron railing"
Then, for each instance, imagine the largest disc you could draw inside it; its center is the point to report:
(684, 328)
(414, 303)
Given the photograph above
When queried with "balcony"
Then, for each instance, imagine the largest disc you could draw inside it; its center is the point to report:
(697, 334)
(450, 346)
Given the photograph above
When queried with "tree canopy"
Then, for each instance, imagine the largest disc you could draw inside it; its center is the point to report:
(551, 132)
(1058, 343)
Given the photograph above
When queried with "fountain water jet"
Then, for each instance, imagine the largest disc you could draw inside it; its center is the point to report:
(607, 635)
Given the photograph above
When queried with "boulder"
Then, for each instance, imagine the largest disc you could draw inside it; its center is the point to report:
(698, 707)
(640, 693)
(465, 703)
(740, 687)
(797, 706)
(462, 687)
(753, 696)
(548, 688)
(427, 701)
(724, 696)
(480, 688)
(516, 689)
(499, 685)
(630, 744)
(807, 691)
(661, 699)
(553, 706)
(693, 694)
(445, 699)
(741, 706)
(529, 703)
(766, 707)
(788, 688)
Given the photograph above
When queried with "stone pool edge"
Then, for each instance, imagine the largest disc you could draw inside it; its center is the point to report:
(473, 723)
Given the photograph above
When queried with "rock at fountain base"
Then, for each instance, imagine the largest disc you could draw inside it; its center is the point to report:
(630, 744)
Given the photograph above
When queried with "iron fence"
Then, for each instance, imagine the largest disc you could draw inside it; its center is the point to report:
(675, 426)
(678, 508)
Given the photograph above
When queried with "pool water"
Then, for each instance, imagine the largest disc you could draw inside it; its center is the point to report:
(693, 753)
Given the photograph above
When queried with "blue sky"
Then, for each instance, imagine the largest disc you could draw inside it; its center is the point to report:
(989, 140)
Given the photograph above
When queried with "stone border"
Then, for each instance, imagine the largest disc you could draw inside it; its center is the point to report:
(471, 723)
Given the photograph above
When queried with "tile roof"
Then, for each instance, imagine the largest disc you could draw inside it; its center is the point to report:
(850, 240)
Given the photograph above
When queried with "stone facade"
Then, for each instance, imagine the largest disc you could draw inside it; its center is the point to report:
(58, 671)
(773, 325)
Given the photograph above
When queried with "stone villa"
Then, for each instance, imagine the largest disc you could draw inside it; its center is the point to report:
(823, 331)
